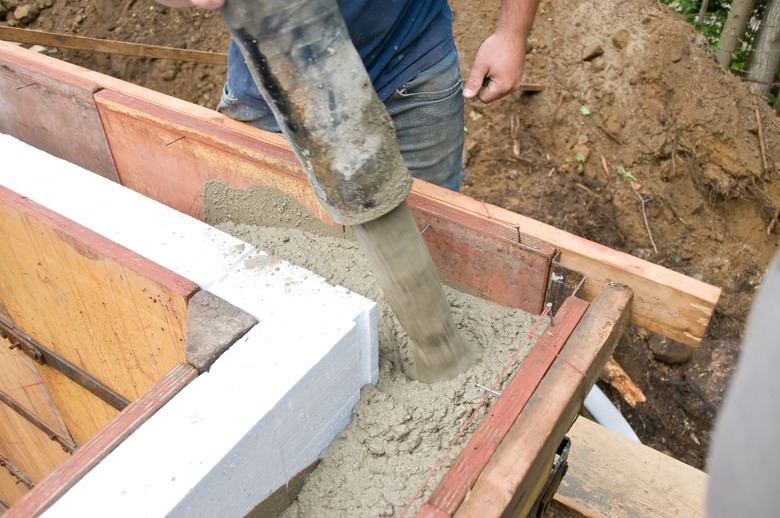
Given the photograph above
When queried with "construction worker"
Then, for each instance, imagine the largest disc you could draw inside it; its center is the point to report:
(409, 52)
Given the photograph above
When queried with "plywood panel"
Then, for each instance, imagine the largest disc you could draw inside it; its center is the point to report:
(82, 412)
(101, 307)
(11, 491)
(19, 379)
(27, 447)
(52, 108)
(188, 152)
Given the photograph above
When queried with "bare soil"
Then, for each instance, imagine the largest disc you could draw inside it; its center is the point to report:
(652, 105)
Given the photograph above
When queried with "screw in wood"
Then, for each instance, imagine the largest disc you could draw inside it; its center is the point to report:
(517, 226)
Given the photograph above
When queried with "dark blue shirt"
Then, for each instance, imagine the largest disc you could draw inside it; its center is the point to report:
(397, 39)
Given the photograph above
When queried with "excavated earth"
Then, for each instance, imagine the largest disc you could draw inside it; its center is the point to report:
(638, 141)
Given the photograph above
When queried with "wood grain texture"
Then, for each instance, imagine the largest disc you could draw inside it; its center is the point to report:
(69, 41)
(484, 257)
(20, 380)
(507, 483)
(114, 314)
(52, 108)
(11, 491)
(104, 442)
(611, 476)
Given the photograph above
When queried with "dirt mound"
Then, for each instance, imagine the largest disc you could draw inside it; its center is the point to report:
(638, 141)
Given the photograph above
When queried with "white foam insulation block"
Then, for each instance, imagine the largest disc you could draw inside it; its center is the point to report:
(268, 406)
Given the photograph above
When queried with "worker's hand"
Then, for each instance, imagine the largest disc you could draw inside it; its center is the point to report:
(497, 69)
(205, 4)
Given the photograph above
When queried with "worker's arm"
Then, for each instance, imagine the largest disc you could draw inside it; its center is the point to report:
(498, 67)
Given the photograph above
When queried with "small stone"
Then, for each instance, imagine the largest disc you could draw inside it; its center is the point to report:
(26, 13)
(48, 3)
(621, 39)
(11, 5)
(593, 51)
(669, 351)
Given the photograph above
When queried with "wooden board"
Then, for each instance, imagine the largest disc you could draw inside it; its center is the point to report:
(611, 476)
(485, 258)
(72, 470)
(20, 380)
(189, 152)
(52, 108)
(116, 315)
(83, 412)
(27, 447)
(460, 477)
(508, 482)
(11, 491)
(665, 301)
(70, 41)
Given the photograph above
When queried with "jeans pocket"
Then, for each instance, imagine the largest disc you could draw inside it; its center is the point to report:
(437, 83)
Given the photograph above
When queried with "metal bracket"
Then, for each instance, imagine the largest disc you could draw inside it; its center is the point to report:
(17, 473)
(66, 442)
(43, 356)
(559, 468)
(563, 283)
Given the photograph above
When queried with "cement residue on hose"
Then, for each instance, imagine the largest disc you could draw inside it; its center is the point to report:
(400, 428)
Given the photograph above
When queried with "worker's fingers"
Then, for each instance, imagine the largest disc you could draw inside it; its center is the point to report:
(479, 73)
(497, 69)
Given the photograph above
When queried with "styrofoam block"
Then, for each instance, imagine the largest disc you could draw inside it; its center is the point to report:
(174, 240)
(266, 410)
(290, 297)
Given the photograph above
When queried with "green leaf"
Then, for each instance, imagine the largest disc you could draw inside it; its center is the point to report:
(626, 175)
(580, 157)
(584, 110)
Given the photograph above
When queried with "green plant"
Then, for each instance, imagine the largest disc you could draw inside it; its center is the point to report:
(626, 174)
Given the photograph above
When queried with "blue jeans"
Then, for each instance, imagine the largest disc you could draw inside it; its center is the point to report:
(427, 113)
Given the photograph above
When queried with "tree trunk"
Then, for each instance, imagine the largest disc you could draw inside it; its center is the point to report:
(766, 54)
(733, 30)
(703, 11)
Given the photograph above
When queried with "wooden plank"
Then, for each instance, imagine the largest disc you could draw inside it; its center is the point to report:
(193, 151)
(611, 476)
(52, 108)
(461, 476)
(11, 491)
(507, 483)
(20, 380)
(72, 470)
(69, 41)
(83, 412)
(109, 311)
(665, 301)
(27, 447)
(484, 257)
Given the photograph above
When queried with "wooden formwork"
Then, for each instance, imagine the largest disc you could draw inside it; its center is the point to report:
(168, 150)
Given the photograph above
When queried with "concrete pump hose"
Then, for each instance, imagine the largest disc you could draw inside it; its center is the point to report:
(305, 65)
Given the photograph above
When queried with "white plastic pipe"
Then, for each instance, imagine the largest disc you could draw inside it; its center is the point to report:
(605, 413)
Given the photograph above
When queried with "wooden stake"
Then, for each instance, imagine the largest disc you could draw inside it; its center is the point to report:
(761, 141)
(516, 135)
(66, 41)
